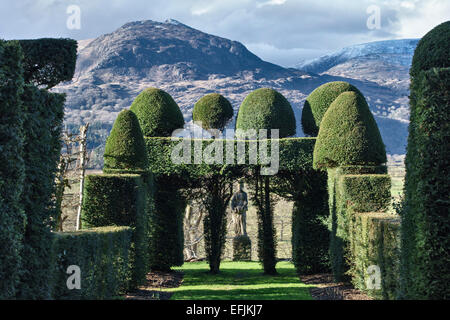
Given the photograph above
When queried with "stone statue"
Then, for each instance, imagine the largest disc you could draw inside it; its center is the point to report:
(239, 204)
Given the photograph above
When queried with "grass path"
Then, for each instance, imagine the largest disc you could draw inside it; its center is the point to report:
(239, 281)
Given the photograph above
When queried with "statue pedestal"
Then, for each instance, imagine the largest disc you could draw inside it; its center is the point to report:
(242, 248)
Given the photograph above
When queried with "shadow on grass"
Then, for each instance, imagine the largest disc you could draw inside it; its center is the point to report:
(240, 280)
(275, 293)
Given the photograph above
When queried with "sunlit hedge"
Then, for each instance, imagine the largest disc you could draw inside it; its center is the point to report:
(103, 256)
(122, 200)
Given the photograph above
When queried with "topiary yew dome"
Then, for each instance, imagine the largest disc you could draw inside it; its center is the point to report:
(317, 103)
(266, 108)
(125, 146)
(348, 135)
(432, 51)
(213, 110)
(157, 112)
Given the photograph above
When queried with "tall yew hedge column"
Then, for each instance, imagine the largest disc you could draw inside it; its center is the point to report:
(123, 195)
(12, 219)
(213, 112)
(45, 113)
(348, 136)
(425, 257)
(267, 109)
(317, 103)
(159, 115)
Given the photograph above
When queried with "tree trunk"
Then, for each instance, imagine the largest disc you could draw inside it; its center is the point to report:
(83, 162)
(269, 261)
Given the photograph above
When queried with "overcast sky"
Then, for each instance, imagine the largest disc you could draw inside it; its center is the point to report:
(279, 31)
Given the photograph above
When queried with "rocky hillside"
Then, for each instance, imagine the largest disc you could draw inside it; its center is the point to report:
(113, 68)
(384, 62)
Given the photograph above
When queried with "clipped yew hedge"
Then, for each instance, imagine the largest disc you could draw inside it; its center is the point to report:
(432, 51)
(43, 123)
(375, 241)
(157, 112)
(318, 102)
(213, 111)
(266, 108)
(48, 61)
(31, 123)
(121, 200)
(103, 256)
(294, 154)
(348, 135)
(425, 218)
(310, 235)
(349, 194)
(166, 241)
(159, 115)
(125, 146)
(12, 168)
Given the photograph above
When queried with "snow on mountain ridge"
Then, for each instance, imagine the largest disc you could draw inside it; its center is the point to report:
(398, 52)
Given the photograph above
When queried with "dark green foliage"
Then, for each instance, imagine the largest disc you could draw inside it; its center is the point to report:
(213, 110)
(294, 154)
(30, 126)
(103, 257)
(43, 122)
(125, 146)
(348, 135)
(157, 112)
(112, 199)
(268, 109)
(121, 200)
(352, 170)
(432, 51)
(215, 191)
(310, 236)
(264, 202)
(218, 194)
(369, 192)
(49, 61)
(306, 188)
(318, 102)
(166, 225)
(425, 219)
(374, 241)
(337, 225)
(12, 169)
(242, 248)
(349, 194)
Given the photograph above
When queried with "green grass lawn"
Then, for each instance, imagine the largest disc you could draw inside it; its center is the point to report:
(239, 281)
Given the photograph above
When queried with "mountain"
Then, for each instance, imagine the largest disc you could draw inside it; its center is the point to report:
(383, 62)
(187, 63)
(176, 51)
(393, 52)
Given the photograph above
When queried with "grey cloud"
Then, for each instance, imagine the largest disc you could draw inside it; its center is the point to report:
(274, 32)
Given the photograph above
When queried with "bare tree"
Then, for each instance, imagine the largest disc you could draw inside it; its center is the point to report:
(82, 167)
(71, 162)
